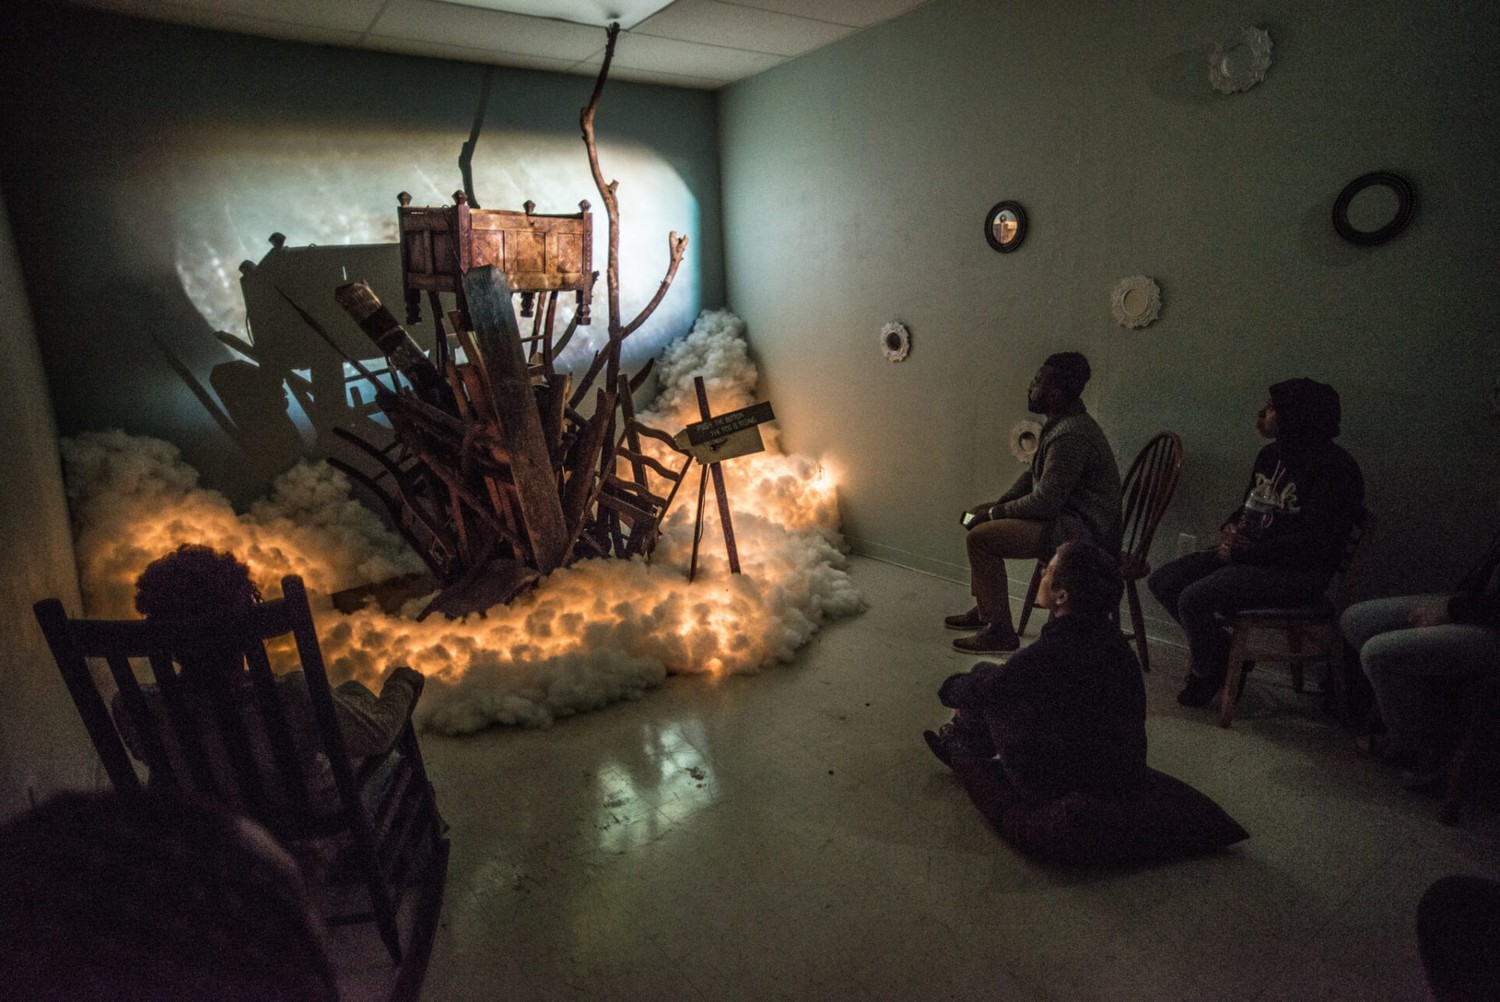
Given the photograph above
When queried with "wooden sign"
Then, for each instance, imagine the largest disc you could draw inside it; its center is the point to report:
(726, 436)
(711, 441)
(724, 425)
(740, 443)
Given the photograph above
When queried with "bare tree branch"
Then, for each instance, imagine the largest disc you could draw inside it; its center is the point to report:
(675, 247)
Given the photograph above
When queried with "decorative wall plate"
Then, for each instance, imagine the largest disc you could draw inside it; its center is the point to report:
(1005, 226)
(895, 341)
(1383, 205)
(1025, 436)
(1240, 61)
(1136, 301)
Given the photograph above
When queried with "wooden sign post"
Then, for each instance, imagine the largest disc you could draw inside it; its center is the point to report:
(711, 441)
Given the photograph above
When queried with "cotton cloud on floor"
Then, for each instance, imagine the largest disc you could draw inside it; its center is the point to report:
(589, 635)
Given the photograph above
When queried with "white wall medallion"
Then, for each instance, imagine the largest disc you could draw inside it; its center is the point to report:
(1240, 61)
(1025, 436)
(895, 341)
(1136, 301)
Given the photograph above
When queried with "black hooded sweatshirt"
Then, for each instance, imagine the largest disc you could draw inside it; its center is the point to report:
(1317, 488)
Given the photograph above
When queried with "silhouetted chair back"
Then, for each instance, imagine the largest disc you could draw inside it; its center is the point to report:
(225, 729)
(631, 509)
(1146, 492)
(1308, 632)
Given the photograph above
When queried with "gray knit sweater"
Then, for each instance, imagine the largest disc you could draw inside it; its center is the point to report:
(1073, 483)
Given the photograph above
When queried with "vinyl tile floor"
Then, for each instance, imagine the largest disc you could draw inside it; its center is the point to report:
(787, 835)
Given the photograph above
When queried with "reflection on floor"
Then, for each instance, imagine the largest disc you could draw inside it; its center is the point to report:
(788, 835)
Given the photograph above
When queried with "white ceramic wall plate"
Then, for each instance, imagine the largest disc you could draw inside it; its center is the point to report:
(895, 342)
(1025, 436)
(1136, 301)
(1240, 61)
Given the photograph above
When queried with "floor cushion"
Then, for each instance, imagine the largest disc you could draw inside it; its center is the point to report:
(1164, 819)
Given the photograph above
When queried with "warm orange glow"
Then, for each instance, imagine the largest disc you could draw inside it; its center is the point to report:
(589, 634)
(641, 622)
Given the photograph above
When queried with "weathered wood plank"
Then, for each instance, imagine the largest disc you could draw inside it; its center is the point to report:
(499, 340)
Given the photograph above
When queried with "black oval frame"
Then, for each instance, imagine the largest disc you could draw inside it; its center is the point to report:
(989, 226)
(1406, 207)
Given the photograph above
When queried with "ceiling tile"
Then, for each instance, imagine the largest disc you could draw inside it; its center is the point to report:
(447, 50)
(471, 28)
(693, 43)
(737, 27)
(626, 74)
(249, 16)
(692, 59)
(855, 13)
(598, 13)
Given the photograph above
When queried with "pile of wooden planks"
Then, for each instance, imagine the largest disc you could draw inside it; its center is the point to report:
(500, 468)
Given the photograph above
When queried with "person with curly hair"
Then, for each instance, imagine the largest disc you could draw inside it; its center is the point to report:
(194, 581)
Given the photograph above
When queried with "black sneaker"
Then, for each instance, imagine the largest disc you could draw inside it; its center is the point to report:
(990, 640)
(1198, 691)
(965, 620)
(939, 748)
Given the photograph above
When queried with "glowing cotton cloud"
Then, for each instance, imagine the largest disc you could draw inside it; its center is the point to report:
(589, 635)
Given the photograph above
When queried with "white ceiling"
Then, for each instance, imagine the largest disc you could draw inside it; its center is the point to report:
(689, 43)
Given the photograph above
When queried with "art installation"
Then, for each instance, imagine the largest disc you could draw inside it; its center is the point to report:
(496, 475)
(502, 488)
(589, 634)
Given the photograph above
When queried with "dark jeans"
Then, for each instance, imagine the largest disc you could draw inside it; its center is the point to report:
(1197, 588)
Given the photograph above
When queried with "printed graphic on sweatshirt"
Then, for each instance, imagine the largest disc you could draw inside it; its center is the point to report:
(1281, 494)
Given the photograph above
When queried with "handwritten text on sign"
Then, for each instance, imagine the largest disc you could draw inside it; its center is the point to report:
(724, 425)
(726, 436)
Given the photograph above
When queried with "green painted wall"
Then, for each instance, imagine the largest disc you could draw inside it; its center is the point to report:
(43, 746)
(144, 162)
(856, 180)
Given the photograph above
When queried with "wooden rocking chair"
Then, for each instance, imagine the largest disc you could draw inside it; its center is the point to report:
(227, 736)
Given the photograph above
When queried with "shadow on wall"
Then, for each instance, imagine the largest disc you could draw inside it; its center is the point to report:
(286, 390)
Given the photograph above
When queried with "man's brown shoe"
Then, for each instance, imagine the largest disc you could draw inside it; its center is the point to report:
(990, 640)
(965, 621)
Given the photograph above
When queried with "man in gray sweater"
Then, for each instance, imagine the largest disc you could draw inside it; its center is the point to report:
(1070, 491)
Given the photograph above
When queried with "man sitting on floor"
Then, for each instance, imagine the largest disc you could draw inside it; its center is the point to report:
(1070, 491)
(1068, 713)
(1281, 546)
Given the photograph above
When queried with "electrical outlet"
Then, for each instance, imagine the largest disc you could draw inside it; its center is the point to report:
(1186, 543)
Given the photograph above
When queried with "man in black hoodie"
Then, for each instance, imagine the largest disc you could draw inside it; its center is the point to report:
(1280, 547)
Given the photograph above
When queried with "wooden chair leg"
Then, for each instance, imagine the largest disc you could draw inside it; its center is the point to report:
(1336, 677)
(1137, 623)
(1233, 676)
(1456, 787)
(1481, 719)
(1030, 603)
